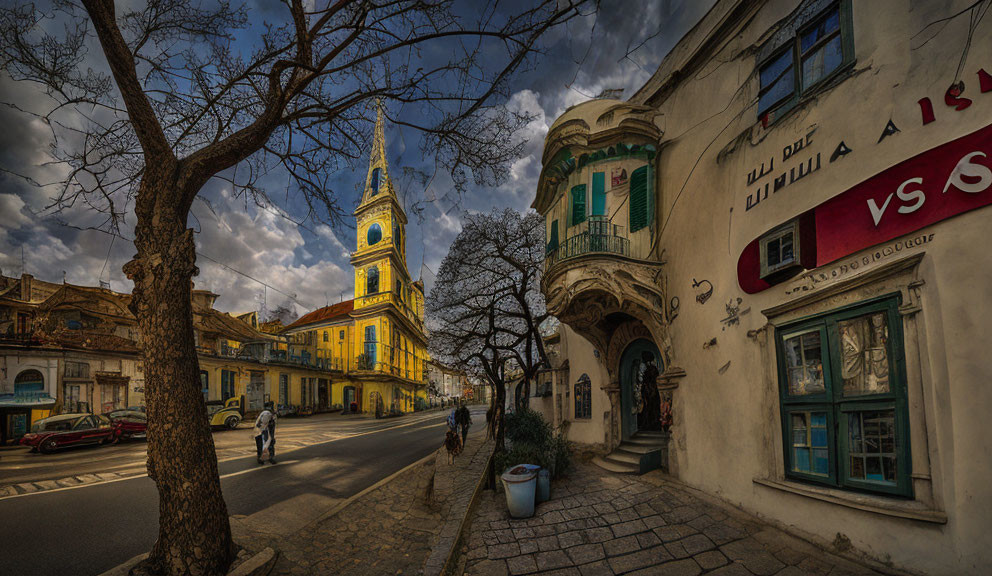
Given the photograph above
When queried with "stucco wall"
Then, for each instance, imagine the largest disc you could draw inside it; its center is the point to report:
(727, 418)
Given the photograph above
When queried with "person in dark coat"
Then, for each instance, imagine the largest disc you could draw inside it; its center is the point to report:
(464, 419)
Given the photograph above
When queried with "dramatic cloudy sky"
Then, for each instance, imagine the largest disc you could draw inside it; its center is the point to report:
(241, 247)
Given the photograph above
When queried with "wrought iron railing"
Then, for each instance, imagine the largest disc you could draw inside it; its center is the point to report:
(596, 235)
(377, 357)
(390, 296)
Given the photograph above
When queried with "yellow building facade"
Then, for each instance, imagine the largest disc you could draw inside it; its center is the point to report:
(375, 344)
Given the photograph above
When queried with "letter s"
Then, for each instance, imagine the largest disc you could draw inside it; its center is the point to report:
(966, 167)
(907, 197)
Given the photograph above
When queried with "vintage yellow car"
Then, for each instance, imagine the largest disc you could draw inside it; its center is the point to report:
(225, 413)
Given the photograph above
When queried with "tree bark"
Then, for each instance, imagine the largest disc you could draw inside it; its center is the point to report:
(194, 533)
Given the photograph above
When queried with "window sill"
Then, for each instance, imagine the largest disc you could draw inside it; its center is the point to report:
(909, 509)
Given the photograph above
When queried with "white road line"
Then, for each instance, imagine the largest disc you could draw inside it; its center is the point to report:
(260, 467)
(414, 423)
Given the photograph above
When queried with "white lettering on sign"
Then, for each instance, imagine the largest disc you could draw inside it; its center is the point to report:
(966, 168)
(913, 199)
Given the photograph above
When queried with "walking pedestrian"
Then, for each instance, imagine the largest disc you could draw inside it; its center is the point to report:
(453, 423)
(464, 418)
(264, 432)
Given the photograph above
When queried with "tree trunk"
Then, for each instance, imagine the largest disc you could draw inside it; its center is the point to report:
(194, 534)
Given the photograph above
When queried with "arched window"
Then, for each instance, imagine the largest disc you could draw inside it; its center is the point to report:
(29, 382)
(374, 234)
(583, 397)
(372, 281)
(375, 180)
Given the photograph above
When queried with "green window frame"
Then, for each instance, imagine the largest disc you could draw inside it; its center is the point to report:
(803, 57)
(578, 199)
(598, 194)
(641, 198)
(842, 390)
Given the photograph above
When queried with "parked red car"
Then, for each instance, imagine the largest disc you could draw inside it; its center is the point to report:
(50, 434)
(127, 424)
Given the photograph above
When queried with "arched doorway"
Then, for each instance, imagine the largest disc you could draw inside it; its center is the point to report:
(376, 404)
(640, 403)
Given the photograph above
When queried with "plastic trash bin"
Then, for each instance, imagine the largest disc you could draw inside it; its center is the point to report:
(520, 484)
(543, 485)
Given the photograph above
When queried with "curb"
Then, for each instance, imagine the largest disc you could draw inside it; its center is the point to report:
(259, 564)
(342, 505)
(449, 561)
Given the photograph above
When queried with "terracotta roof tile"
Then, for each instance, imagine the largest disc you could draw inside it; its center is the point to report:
(326, 314)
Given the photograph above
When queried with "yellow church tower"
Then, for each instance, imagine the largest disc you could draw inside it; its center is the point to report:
(388, 314)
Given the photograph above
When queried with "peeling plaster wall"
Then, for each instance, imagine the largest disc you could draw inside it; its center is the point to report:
(727, 417)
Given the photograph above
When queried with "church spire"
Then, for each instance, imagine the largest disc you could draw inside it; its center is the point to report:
(378, 183)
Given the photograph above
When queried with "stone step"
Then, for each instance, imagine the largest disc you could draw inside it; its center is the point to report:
(646, 441)
(615, 467)
(638, 448)
(621, 457)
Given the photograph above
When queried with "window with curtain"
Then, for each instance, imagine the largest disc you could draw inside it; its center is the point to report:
(640, 198)
(843, 399)
(578, 199)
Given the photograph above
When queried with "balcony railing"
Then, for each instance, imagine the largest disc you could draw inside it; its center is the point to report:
(596, 235)
(397, 301)
(20, 338)
(386, 359)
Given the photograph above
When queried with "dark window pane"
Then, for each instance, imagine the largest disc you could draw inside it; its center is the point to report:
(783, 87)
(787, 255)
(874, 468)
(857, 467)
(821, 463)
(889, 462)
(823, 29)
(771, 72)
(822, 61)
(772, 255)
(802, 460)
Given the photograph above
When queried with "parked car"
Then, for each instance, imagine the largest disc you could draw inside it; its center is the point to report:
(50, 434)
(226, 414)
(128, 424)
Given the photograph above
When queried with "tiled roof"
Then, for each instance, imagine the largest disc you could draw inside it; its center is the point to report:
(326, 314)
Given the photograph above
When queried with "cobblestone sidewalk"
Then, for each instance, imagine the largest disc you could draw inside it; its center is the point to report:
(599, 523)
(398, 528)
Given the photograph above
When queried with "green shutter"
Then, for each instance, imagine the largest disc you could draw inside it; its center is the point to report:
(578, 204)
(553, 237)
(639, 201)
(598, 193)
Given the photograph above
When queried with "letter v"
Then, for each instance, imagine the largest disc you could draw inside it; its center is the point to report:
(876, 212)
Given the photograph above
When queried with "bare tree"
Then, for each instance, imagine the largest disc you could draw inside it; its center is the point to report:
(486, 309)
(180, 92)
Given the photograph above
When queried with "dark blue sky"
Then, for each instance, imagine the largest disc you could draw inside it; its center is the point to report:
(311, 262)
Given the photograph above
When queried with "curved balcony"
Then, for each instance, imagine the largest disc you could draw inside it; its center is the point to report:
(595, 236)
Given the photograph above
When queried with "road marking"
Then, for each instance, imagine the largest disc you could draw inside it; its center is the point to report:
(356, 435)
(260, 467)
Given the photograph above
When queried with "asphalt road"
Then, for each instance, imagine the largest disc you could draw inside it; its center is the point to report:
(92, 528)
